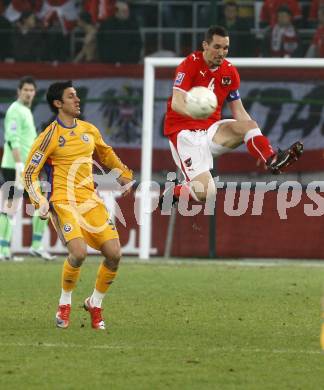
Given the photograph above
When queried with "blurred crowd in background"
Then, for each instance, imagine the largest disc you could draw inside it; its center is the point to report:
(118, 31)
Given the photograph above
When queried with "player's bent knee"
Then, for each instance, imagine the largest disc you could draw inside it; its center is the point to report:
(202, 196)
(113, 261)
(240, 128)
(78, 256)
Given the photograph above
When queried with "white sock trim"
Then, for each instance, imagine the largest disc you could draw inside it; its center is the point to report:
(252, 133)
(66, 297)
(96, 298)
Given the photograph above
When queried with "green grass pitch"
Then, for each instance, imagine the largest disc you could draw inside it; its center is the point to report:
(183, 325)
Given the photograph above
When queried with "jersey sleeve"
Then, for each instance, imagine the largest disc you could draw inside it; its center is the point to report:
(185, 74)
(13, 126)
(109, 158)
(42, 148)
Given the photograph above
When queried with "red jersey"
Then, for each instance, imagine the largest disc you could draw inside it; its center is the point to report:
(194, 72)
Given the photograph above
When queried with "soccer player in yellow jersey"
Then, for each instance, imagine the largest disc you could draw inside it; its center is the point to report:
(65, 150)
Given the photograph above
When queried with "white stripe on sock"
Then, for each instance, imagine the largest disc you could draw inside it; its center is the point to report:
(259, 151)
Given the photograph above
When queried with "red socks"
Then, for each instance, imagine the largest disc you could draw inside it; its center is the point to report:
(259, 147)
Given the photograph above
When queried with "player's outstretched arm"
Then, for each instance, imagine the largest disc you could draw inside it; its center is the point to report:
(238, 111)
(110, 160)
(178, 103)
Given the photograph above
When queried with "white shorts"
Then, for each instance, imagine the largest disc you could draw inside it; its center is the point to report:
(195, 150)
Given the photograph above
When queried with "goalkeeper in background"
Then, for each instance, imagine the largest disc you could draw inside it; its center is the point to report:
(19, 135)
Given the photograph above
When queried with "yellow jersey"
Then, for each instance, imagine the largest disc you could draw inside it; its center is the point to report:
(66, 155)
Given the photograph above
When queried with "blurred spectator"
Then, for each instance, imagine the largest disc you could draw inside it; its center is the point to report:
(15, 8)
(27, 41)
(119, 39)
(88, 52)
(316, 49)
(66, 12)
(100, 10)
(281, 40)
(245, 11)
(59, 17)
(238, 29)
(5, 38)
(268, 16)
(313, 12)
(176, 15)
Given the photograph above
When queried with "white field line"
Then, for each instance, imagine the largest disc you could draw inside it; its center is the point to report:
(230, 262)
(158, 261)
(157, 348)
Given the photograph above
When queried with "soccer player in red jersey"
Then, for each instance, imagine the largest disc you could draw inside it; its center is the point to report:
(195, 141)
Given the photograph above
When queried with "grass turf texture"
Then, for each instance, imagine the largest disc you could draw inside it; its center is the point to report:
(170, 326)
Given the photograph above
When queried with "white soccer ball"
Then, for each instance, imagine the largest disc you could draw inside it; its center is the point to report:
(201, 102)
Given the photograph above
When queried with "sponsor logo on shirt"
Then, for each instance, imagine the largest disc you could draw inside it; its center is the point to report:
(67, 228)
(226, 80)
(36, 158)
(203, 73)
(61, 141)
(179, 78)
(72, 133)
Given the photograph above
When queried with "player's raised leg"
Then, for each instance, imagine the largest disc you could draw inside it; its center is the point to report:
(231, 134)
(70, 274)
(106, 274)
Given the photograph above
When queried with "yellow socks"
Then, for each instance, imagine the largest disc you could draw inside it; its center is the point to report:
(104, 279)
(70, 276)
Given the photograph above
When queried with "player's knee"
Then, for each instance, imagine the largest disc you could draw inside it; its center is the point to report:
(239, 129)
(112, 261)
(77, 256)
(202, 196)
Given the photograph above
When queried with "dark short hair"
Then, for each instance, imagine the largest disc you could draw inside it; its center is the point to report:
(215, 30)
(284, 8)
(26, 80)
(55, 92)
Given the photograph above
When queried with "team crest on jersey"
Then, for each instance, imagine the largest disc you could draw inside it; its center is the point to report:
(226, 80)
(188, 162)
(61, 141)
(179, 78)
(36, 158)
(85, 138)
(67, 228)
